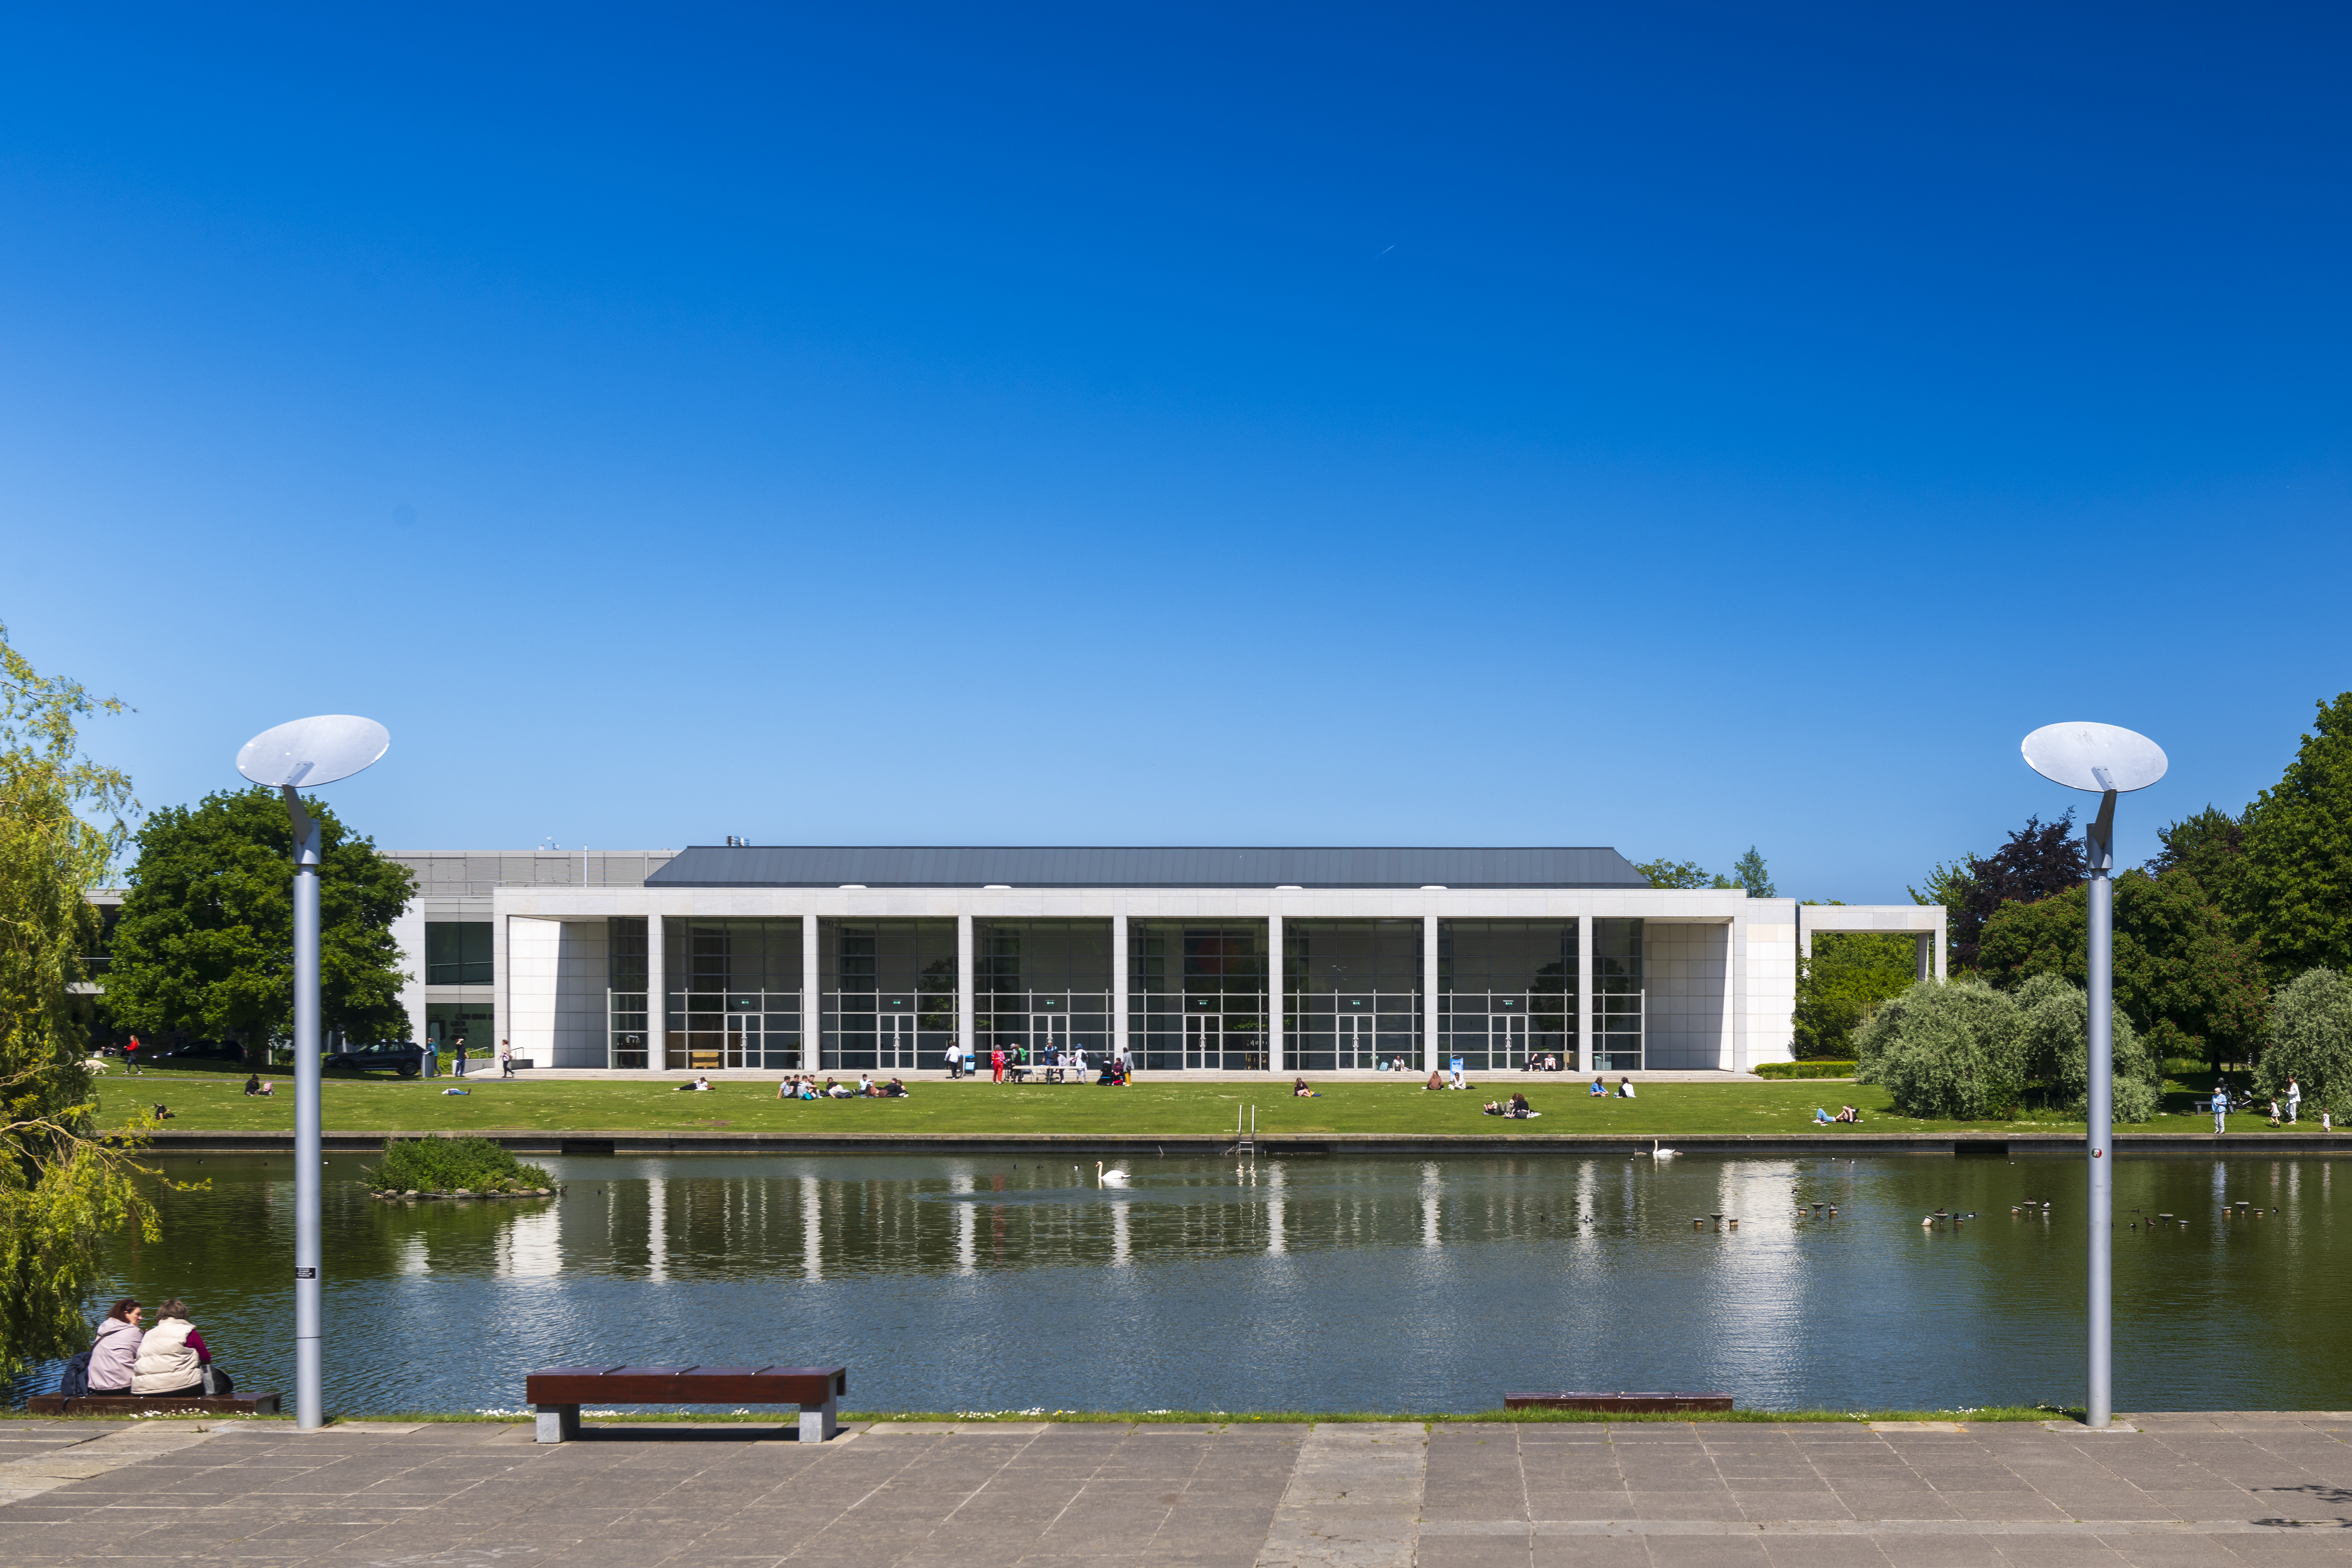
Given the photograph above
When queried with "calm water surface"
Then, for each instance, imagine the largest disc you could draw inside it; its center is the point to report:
(986, 1284)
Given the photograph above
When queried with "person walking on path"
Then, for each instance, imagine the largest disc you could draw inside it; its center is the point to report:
(506, 1058)
(130, 1053)
(2220, 1105)
(997, 1063)
(460, 1055)
(2294, 1100)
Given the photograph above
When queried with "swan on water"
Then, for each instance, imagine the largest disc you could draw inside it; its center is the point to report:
(1109, 1178)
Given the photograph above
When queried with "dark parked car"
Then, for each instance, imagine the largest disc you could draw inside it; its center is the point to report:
(197, 1051)
(406, 1057)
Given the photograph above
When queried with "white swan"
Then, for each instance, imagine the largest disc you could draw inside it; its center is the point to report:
(1663, 1154)
(1108, 1178)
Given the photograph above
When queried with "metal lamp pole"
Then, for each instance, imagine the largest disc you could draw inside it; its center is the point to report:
(2105, 761)
(316, 752)
(308, 1406)
(2100, 843)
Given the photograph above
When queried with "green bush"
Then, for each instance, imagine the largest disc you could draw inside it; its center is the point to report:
(1945, 1051)
(1804, 1070)
(2310, 1041)
(444, 1164)
(2054, 1015)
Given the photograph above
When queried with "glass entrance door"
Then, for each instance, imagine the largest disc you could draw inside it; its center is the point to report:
(1359, 1044)
(1506, 1041)
(895, 1041)
(1048, 1033)
(743, 1042)
(1204, 1039)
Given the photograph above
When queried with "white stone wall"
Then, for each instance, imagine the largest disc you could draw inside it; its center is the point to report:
(408, 932)
(1771, 967)
(533, 966)
(1688, 970)
(580, 1031)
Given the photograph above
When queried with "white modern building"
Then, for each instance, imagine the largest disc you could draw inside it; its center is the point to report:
(838, 959)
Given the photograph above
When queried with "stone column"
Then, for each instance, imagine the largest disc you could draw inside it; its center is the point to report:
(1584, 994)
(811, 995)
(964, 1009)
(1428, 995)
(1118, 1030)
(657, 996)
(1924, 947)
(1274, 1051)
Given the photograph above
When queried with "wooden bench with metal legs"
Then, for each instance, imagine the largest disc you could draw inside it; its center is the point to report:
(558, 1392)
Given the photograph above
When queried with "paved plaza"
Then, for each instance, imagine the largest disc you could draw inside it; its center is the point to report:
(2181, 1491)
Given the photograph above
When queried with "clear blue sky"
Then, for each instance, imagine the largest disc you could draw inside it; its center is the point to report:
(1673, 426)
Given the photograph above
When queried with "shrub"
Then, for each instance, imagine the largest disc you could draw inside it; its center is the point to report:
(444, 1164)
(1950, 1051)
(2310, 1040)
(2055, 1018)
(1803, 1069)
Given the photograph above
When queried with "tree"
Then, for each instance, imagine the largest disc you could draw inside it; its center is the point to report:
(1681, 874)
(2181, 976)
(1844, 979)
(1749, 873)
(2210, 848)
(2054, 1031)
(64, 1185)
(2297, 853)
(2041, 859)
(1950, 1051)
(205, 938)
(2310, 1041)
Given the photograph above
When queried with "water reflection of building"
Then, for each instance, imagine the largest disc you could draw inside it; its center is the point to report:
(850, 959)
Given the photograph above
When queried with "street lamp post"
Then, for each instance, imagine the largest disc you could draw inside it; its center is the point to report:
(308, 751)
(2107, 761)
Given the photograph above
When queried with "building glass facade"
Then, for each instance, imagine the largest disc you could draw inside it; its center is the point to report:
(891, 1002)
(625, 978)
(1506, 992)
(734, 993)
(1042, 987)
(458, 952)
(1352, 993)
(1196, 993)
(1620, 997)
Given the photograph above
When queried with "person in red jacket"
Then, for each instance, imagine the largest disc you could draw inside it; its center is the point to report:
(996, 1062)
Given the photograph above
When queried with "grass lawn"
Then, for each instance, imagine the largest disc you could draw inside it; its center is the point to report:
(211, 1101)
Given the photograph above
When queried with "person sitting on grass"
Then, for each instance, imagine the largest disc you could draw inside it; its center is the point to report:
(894, 1089)
(1624, 1088)
(253, 1085)
(836, 1090)
(1520, 1109)
(163, 1112)
(865, 1086)
(1298, 1091)
(808, 1086)
(1436, 1081)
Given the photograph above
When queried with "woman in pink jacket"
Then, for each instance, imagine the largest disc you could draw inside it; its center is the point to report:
(113, 1356)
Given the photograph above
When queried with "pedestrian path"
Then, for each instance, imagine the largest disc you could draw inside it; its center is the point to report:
(2216, 1490)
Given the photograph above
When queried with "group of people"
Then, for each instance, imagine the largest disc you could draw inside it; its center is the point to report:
(1516, 1106)
(803, 1086)
(1016, 1059)
(458, 1055)
(1821, 1117)
(1600, 1090)
(170, 1361)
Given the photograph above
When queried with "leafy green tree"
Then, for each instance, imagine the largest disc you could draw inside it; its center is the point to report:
(65, 1185)
(2054, 1031)
(1846, 979)
(1681, 874)
(2182, 976)
(2310, 1041)
(1749, 873)
(2209, 847)
(2297, 853)
(2039, 859)
(205, 938)
(1950, 1051)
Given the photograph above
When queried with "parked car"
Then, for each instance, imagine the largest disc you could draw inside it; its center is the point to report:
(406, 1057)
(197, 1051)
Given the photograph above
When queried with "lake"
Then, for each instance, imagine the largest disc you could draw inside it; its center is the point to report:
(1312, 1283)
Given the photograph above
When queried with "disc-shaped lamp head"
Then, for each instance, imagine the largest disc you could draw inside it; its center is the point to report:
(2094, 757)
(313, 750)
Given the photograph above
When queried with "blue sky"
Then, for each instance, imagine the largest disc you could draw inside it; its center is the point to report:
(1678, 427)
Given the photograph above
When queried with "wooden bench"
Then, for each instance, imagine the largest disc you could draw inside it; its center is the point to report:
(558, 1392)
(131, 1404)
(1647, 1404)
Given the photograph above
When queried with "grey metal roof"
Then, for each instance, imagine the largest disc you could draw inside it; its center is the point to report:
(1056, 865)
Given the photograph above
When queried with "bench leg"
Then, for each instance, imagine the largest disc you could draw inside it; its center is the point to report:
(558, 1423)
(820, 1421)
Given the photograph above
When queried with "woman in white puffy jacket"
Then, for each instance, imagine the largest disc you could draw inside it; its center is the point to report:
(169, 1366)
